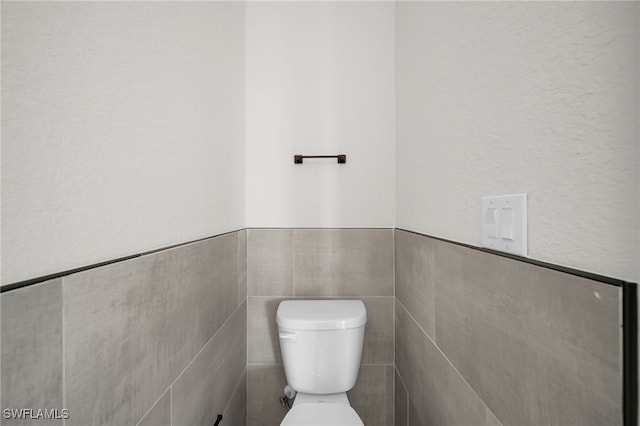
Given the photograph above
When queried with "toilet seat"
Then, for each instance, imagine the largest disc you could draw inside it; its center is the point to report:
(322, 414)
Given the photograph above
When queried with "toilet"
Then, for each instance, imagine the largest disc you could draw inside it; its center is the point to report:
(321, 346)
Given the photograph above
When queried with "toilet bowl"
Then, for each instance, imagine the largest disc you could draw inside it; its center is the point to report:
(321, 345)
(322, 410)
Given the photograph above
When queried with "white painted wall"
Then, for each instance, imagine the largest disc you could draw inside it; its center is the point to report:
(537, 97)
(122, 129)
(123, 124)
(320, 80)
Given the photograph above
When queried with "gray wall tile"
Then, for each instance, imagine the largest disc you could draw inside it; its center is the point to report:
(31, 333)
(401, 406)
(372, 396)
(242, 265)
(343, 262)
(491, 419)
(204, 389)
(160, 413)
(270, 262)
(415, 268)
(263, 343)
(539, 346)
(413, 418)
(379, 332)
(437, 393)
(132, 326)
(236, 412)
(265, 387)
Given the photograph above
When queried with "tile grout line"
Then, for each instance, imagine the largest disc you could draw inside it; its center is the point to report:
(404, 386)
(246, 340)
(408, 398)
(393, 393)
(488, 410)
(246, 319)
(393, 316)
(442, 353)
(236, 387)
(393, 236)
(436, 250)
(153, 405)
(205, 345)
(246, 395)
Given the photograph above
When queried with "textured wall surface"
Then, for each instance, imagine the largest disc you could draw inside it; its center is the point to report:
(122, 129)
(320, 80)
(537, 97)
(319, 263)
(157, 340)
(482, 339)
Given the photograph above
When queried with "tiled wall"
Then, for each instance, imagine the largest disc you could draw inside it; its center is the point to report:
(320, 263)
(171, 338)
(483, 340)
(156, 340)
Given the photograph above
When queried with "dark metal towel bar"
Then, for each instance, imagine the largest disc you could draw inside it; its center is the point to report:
(342, 158)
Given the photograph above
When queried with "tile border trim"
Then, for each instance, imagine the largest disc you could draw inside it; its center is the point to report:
(567, 270)
(38, 280)
(629, 355)
(584, 274)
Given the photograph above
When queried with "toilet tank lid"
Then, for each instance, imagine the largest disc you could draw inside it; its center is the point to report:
(321, 314)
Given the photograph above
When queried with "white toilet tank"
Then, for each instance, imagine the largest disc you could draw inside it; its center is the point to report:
(321, 343)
